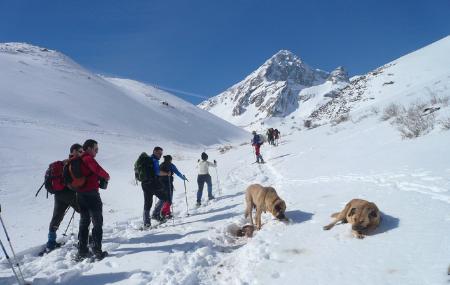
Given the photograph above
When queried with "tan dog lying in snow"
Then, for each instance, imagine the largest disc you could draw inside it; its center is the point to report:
(263, 199)
(361, 214)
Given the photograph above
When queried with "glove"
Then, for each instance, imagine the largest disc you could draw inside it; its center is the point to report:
(215, 162)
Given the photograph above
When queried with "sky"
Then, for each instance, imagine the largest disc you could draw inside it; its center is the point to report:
(199, 48)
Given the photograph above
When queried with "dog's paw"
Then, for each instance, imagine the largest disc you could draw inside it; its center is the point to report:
(359, 235)
(326, 228)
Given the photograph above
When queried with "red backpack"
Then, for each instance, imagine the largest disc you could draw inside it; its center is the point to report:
(54, 180)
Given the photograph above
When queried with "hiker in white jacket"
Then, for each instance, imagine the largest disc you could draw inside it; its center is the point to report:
(203, 176)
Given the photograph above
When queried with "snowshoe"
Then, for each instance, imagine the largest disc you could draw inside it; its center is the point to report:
(48, 249)
(82, 256)
(99, 255)
(145, 227)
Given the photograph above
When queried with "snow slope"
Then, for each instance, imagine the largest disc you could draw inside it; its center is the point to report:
(42, 86)
(408, 180)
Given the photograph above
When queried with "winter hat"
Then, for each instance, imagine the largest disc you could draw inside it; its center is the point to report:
(204, 156)
(167, 157)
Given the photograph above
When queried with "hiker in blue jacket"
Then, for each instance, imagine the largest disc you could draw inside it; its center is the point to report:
(166, 171)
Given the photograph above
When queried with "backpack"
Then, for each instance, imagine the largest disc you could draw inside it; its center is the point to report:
(73, 177)
(53, 180)
(143, 168)
(259, 140)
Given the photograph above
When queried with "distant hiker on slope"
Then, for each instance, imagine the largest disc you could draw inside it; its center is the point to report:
(63, 199)
(91, 205)
(147, 171)
(167, 169)
(276, 136)
(203, 176)
(257, 141)
(270, 136)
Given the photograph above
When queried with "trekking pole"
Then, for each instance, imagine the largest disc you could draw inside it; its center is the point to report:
(185, 195)
(39, 190)
(70, 221)
(10, 263)
(218, 181)
(12, 250)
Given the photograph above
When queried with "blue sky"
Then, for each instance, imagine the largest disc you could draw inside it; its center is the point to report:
(203, 47)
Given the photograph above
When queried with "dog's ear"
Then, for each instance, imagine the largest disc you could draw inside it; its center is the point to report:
(373, 214)
(352, 212)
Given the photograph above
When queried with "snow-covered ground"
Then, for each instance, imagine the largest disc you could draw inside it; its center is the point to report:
(316, 172)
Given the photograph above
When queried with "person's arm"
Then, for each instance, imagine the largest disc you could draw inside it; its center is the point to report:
(93, 166)
(175, 170)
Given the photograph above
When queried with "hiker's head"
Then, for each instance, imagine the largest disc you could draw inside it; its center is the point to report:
(157, 152)
(91, 146)
(204, 156)
(254, 133)
(76, 149)
(168, 158)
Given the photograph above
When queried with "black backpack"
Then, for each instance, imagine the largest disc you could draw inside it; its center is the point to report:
(143, 168)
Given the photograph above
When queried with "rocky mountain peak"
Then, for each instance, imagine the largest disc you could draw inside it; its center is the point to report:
(338, 75)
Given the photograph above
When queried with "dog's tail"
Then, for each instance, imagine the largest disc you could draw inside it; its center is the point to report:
(335, 215)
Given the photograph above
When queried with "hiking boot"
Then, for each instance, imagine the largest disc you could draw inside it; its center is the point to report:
(198, 204)
(211, 198)
(51, 245)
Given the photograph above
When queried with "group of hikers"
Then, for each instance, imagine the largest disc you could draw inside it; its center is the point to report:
(273, 135)
(75, 183)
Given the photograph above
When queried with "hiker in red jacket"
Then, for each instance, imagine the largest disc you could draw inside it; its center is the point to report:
(90, 203)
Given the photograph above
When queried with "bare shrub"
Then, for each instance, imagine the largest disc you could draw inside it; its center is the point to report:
(375, 110)
(391, 111)
(342, 118)
(445, 124)
(412, 123)
(307, 124)
(443, 101)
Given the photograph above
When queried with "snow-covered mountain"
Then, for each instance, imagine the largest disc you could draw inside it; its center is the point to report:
(271, 91)
(420, 77)
(42, 86)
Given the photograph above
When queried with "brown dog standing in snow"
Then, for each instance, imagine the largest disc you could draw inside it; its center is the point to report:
(361, 214)
(263, 199)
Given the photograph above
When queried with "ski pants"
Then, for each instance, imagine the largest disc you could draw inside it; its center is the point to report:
(91, 208)
(63, 200)
(201, 180)
(150, 189)
(168, 188)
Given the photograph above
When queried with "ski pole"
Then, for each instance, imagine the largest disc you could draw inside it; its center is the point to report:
(171, 198)
(218, 181)
(39, 190)
(10, 263)
(70, 221)
(12, 249)
(185, 195)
